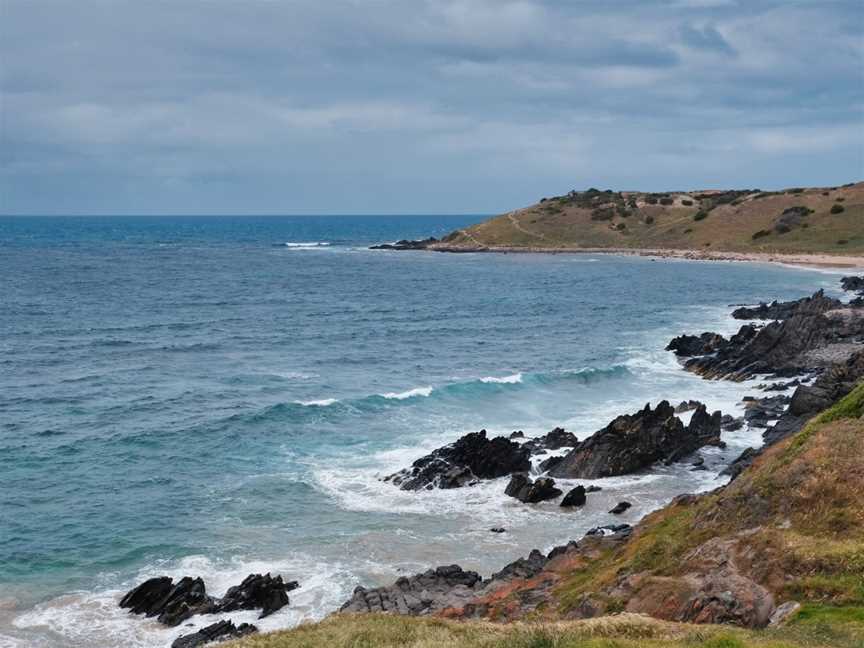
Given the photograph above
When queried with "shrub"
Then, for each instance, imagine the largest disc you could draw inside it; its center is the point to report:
(761, 234)
(796, 190)
(837, 209)
(687, 203)
(825, 193)
(700, 215)
(841, 199)
(688, 230)
(842, 241)
(651, 200)
(666, 201)
(649, 220)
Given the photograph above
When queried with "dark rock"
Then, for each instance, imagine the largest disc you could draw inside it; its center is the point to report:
(405, 244)
(576, 497)
(144, 598)
(187, 598)
(808, 400)
(554, 440)
(610, 529)
(632, 442)
(743, 461)
(773, 311)
(729, 423)
(781, 386)
(522, 568)
(218, 631)
(257, 592)
(471, 458)
(758, 411)
(686, 406)
(593, 489)
(548, 464)
(852, 284)
(519, 434)
(695, 345)
(425, 593)
(530, 492)
(497, 529)
(698, 462)
(787, 347)
(620, 507)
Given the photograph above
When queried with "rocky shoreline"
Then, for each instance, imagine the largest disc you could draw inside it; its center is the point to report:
(812, 347)
(826, 260)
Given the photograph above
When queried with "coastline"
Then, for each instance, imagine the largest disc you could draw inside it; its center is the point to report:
(805, 260)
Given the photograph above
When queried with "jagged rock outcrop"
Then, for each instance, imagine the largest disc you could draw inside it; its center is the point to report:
(172, 603)
(794, 345)
(257, 592)
(219, 631)
(777, 310)
(554, 440)
(465, 462)
(852, 284)
(759, 411)
(632, 442)
(687, 346)
(531, 492)
(431, 591)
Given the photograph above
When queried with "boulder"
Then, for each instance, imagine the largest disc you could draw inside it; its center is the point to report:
(852, 284)
(620, 507)
(218, 631)
(469, 459)
(633, 442)
(144, 598)
(187, 598)
(576, 497)
(530, 492)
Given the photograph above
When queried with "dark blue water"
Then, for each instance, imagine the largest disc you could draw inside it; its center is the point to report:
(216, 396)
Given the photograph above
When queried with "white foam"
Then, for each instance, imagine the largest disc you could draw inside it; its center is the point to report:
(324, 402)
(85, 619)
(411, 393)
(309, 244)
(506, 380)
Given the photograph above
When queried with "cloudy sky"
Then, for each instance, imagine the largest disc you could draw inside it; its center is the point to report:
(418, 106)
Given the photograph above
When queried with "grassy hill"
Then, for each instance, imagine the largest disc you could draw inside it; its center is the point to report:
(793, 522)
(814, 220)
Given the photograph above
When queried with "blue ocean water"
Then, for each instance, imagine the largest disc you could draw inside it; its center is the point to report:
(216, 396)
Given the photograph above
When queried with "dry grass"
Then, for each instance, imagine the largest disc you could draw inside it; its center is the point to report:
(726, 228)
(620, 631)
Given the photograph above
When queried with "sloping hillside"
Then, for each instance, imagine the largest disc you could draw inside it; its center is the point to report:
(790, 528)
(815, 220)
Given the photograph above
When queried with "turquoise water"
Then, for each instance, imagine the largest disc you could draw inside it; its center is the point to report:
(216, 396)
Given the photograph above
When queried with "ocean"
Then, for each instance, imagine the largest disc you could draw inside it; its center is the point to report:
(214, 396)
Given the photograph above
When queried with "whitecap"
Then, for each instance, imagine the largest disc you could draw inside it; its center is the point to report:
(324, 402)
(505, 380)
(411, 393)
(309, 244)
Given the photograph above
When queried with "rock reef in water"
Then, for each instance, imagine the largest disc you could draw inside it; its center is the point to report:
(633, 442)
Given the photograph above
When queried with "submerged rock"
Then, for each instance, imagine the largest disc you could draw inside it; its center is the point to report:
(632, 442)
(218, 631)
(531, 492)
(471, 458)
(406, 244)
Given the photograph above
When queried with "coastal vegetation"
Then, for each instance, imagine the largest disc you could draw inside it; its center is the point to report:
(794, 221)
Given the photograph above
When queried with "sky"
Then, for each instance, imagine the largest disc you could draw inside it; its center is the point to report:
(418, 106)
